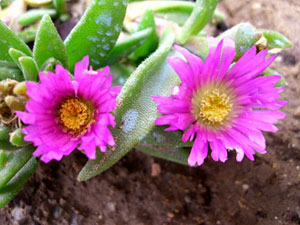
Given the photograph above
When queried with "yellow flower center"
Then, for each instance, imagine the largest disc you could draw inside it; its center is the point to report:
(75, 115)
(215, 107)
(212, 107)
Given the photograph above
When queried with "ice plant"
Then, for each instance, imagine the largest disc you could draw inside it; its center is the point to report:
(222, 107)
(64, 114)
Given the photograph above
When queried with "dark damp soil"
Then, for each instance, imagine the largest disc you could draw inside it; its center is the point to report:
(144, 190)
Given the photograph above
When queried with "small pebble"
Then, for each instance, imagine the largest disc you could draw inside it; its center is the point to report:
(57, 212)
(18, 214)
(77, 219)
(156, 170)
(245, 187)
(111, 206)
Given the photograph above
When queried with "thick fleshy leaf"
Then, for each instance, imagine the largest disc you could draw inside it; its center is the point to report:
(178, 155)
(60, 6)
(34, 15)
(8, 39)
(96, 33)
(165, 145)
(136, 111)
(201, 15)
(7, 146)
(4, 132)
(48, 44)
(15, 55)
(17, 138)
(244, 36)
(15, 163)
(151, 44)
(29, 68)
(276, 40)
(14, 186)
(128, 45)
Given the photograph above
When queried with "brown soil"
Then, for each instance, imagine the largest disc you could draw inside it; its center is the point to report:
(144, 190)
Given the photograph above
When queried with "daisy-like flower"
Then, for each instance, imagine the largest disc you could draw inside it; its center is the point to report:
(64, 114)
(222, 107)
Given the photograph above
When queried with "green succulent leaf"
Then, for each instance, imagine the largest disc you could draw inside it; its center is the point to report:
(17, 138)
(16, 162)
(96, 33)
(29, 68)
(8, 39)
(4, 132)
(201, 15)
(34, 15)
(244, 36)
(60, 6)
(128, 45)
(48, 44)
(14, 186)
(178, 155)
(136, 111)
(276, 40)
(7, 146)
(15, 55)
(151, 44)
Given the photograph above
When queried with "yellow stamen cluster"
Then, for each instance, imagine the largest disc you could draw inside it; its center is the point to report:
(215, 107)
(75, 115)
(212, 107)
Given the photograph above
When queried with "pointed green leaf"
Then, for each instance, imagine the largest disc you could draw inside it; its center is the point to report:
(15, 55)
(178, 155)
(48, 44)
(147, 21)
(34, 15)
(201, 15)
(8, 39)
(276, 40)
(29, 68)
(136, 111)
(19, 159)
(96, 33)
(126, 46)
(14, 186)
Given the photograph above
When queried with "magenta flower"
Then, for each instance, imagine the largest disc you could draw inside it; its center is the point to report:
(222, 107)
(63, 113)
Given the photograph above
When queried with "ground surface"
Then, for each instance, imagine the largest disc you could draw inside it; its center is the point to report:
(134, 191)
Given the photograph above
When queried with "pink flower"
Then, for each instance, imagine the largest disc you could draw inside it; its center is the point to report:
(63, 113)
(222, 107)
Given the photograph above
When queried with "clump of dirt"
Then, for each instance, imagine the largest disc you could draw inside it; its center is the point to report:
(143, 190)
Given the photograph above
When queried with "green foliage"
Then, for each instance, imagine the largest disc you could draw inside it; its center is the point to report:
(201, 15)
(34, 15)
(17, 160)
(150, 45)
(136, 111)
(276, 40)
(48, 44)
(14, 186)
(9, 39)
(96, 33)
(29, 68)
(128, 45)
